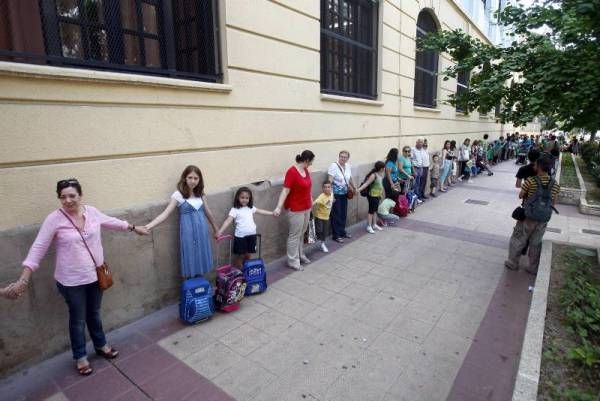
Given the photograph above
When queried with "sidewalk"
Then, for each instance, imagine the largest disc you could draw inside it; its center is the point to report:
(424, 311)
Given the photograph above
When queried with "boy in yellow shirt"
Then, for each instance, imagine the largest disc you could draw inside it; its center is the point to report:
(322, 208)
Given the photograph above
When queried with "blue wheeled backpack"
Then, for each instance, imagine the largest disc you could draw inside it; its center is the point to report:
(196, 300)
(255, 272)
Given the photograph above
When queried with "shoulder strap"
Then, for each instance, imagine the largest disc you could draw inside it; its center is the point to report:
(343, 174)
(81, 235)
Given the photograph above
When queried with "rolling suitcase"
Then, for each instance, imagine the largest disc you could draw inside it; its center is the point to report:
(231, 284)
(196, 301)
(255, 272)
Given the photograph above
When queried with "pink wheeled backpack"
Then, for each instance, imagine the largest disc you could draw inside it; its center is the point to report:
(231, 283)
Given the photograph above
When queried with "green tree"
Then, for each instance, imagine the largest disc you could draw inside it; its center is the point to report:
(552, 67)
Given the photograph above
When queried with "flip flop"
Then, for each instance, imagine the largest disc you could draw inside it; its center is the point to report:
(112, 354)
(85, 370)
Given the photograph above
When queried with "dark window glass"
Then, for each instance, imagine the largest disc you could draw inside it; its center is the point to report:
(176, 38)
(349, 47)
(426, 65)
(462, 83)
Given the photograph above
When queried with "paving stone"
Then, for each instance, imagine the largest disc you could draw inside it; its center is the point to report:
(272, 322)
(294, 308)
(250, 308)
(392, 346)
(186, 342)
(410, 329)
(213, 360)
(277, 355)
(244, 380)
(219, 325)
(381, 309)
(445, 288)
(245, 339)
(424, 313)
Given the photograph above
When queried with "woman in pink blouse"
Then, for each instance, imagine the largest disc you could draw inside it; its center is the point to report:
(75, 271)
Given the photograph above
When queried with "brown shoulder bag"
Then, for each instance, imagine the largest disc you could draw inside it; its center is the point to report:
(105, 280)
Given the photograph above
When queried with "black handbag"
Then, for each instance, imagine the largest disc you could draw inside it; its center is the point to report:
(519, 213)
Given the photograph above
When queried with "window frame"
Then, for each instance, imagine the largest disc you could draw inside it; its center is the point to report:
(362, 82)
(115, 31)
(462, 85)
(421, 99)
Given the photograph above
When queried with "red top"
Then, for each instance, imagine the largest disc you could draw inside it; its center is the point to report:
(299, 197)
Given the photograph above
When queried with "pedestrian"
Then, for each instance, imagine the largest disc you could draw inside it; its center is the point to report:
(296, 198)
(538, 194)
(385, 212)
(195, 249)
(392, 183)
(453, 153)
(75, 229)
(464, 155)
(435, 175)
(405, 170)
(373, 183)
(446, 165)
(340, 176)
(242, 215)
(420, 164)
(322, 208)
(528, 170)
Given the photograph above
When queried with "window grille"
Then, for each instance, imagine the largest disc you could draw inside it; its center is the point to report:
(175, 38)
(349, 47)
(426, 65)
(462, 83)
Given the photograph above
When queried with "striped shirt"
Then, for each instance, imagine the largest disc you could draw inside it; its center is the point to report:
(530, 186)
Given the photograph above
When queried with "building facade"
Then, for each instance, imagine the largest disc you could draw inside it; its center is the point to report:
(124, 94)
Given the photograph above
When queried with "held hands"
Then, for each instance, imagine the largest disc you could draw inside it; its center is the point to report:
(14, 290)
(141, 230)
(277, 212)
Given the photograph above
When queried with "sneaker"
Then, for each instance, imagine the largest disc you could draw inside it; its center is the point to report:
(459, 179)
(375, 226)
(324, 247)
(509, 265)
(296, 267)
(347, 235)
(419, 201)
(434, 195)
(304, 259)
(370, 230)
(470, 181)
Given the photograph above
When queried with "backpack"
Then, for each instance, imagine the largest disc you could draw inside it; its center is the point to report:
(365, 191)
(401, 208)
(538, 207)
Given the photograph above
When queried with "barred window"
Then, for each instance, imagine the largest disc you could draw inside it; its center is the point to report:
(175, 38)
(426, 65)
(462, 83)
(349, 47)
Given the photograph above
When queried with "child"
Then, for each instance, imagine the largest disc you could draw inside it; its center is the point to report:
(385, 212)
(434, 172)
(374, 183)
(322, 208)
(241, 214)
(194, 242)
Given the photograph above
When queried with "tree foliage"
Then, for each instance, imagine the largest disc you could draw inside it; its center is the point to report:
(552, 67)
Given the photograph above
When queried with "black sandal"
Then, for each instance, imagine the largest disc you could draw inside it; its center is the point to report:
(112, 354)
(85, 370)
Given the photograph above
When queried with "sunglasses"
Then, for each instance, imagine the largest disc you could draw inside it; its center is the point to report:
(68, 181)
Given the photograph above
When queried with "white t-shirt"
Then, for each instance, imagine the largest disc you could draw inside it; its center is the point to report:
(192, 200)
(339, 184)
(244, 221)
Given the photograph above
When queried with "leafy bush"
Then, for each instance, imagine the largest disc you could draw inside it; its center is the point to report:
(568, 175)
(590, 153)
(580, 298)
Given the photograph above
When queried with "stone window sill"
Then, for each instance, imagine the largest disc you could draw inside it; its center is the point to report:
(348, 99)
(427, 109)
(77, 74)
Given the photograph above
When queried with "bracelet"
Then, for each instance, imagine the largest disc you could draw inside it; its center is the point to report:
(132, 227)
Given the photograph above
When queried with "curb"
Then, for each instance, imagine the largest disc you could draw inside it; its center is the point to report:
(528, 375)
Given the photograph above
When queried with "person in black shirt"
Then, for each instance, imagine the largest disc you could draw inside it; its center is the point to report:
(528, 170)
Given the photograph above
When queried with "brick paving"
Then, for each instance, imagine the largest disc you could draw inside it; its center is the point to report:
(423, 311)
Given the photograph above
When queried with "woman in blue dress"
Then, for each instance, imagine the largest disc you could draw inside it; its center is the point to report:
(194, 241)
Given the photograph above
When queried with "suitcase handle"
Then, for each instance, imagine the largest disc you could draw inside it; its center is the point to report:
(259, 236)
(220, 239)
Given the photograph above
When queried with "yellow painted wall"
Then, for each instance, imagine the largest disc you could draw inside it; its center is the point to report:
(127, 137)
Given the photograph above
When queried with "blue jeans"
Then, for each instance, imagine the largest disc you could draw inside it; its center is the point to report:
(84, 308)
(339, 213)
(418, 184)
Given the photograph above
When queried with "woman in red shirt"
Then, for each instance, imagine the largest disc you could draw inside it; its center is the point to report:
(296, 197)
